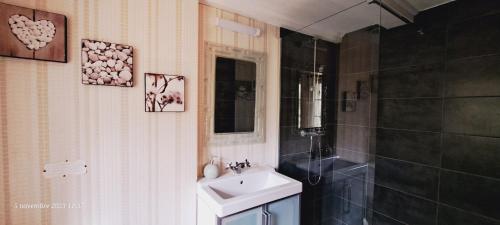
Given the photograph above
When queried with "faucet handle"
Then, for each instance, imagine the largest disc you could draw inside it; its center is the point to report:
(247, 163)
(240, 164)
(229, 166)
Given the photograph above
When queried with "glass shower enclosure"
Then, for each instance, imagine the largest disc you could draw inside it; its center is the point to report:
(328, 114)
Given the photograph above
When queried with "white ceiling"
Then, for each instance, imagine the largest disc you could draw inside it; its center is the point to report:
(327, 19)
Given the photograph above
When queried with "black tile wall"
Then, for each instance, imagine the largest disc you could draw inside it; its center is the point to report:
(289, 112)
(379, 219)
(354, 138)
(463, 9)
(470, 192)
(406, 46)
(414, 146)
(297, 57)
(414, 179)
(473, 116)
(472, 154)
(410, 114)
(431, 127)
(411, 82)
(404, 207)
(477, 76)
(289, 84)
(439, 117)
(474, 37)
(291, 141)
(454, 216)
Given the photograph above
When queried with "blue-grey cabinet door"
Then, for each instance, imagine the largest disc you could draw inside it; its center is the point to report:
(285, 211)
(249, 217)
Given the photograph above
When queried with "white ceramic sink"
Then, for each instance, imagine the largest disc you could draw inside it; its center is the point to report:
(230, 193)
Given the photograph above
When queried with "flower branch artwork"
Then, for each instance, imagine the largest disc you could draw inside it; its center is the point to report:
(32, 34)
(164, 93)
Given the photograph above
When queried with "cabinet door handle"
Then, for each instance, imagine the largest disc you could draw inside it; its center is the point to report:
(265, 217)
(349, 197)
(270, 218)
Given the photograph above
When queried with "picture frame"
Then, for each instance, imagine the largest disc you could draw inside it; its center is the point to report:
(32, 34)
(164, 93)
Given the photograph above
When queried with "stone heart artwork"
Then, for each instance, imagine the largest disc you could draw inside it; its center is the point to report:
(105, 63)
(32, 34)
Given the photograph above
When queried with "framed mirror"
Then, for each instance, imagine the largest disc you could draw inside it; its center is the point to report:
(235, 95)
(310, 91)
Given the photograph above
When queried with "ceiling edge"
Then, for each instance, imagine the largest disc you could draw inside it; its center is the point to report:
(404, 8)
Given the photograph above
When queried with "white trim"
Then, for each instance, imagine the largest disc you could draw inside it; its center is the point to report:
(258, 135)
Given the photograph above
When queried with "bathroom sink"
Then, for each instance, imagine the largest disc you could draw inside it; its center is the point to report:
(232, 193)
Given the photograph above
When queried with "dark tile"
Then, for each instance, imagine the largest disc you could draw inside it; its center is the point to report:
(414, 146)
(330, 138)
(466, 9)
(361, 114)
(379, 219)
(289, 166)
(472, 154)
(331, 112)
(407, 177)
(405, 45)
(289, 112)
(473, 116)
(291, 142)
(297, 51)
(289, 82)
(353, 138)
(354, 156)
(358, 59)
(453, 216)
(404, 208)
(434, 18)
(473, 77)
(409, 82)
(369, 35)
(474, 37)
(413, 114)
(472, 193)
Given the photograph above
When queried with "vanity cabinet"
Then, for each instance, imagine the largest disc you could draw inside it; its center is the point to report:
(285, 211)
(282, 212)
(249, 217)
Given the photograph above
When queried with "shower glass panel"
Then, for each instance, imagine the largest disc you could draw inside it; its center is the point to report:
(329, 144)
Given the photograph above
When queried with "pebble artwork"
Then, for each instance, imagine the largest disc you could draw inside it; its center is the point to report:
(35, 35)
(105, 63)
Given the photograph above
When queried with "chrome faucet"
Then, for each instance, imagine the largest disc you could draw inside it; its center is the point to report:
(238, 167)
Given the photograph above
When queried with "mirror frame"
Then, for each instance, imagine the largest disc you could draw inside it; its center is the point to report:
(212, 51)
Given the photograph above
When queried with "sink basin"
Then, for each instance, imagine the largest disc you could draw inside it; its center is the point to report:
(230, 193)
(249, 183)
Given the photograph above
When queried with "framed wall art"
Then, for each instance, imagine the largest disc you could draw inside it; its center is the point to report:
(32, 34)
(164, 93)
(105, 63)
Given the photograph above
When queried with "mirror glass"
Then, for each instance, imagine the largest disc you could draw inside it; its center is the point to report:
(310, 96)
(235, 82)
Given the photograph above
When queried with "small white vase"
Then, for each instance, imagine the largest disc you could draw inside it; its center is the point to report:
(211, 171)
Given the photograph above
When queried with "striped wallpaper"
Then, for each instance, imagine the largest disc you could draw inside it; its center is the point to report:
(269, 43)
(142, 166)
